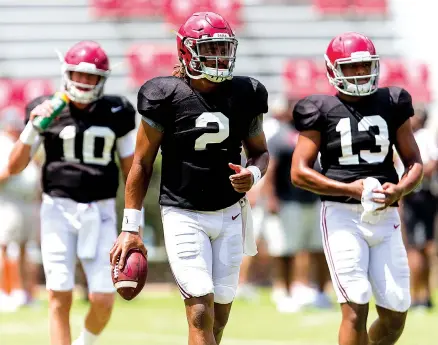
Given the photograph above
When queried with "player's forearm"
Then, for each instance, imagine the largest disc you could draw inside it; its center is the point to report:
(137, 185)
(311, 180)
(411, 178)
(260, 160)
(19, 158)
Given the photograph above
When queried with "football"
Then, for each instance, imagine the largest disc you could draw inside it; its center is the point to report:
(131, 279)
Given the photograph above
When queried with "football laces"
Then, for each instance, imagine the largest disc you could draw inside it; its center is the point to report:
(116, 269)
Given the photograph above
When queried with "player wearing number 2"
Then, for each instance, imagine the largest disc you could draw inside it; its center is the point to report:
(200, 118)
(354, 132)
(80, 180)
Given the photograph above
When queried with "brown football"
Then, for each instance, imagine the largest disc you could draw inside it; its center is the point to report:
(131, 279)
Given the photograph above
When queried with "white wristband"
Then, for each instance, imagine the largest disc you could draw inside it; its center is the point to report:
(132, 220)
(29, 134)
(142, 217)
(256, 173)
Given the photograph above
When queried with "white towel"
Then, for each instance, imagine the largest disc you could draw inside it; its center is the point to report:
(370, 214)
(88, 231)
(249, 242)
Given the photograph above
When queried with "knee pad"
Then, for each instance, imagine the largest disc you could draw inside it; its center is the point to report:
(224, 294)
(398, 300)
(359, 292)
(192, 281)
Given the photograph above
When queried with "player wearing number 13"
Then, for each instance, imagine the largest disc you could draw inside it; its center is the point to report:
(200, 117)
(355, 132)
(80, 181)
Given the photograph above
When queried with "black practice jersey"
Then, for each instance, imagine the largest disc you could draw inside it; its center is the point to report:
(281, 148)
(202, 133)
(80, 149)
(357, 138)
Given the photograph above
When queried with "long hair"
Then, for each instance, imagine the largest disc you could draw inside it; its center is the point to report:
(179, 70)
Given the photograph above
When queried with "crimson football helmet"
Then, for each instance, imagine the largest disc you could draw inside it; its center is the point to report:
(85, 57)
(207, 47)
(350, 48)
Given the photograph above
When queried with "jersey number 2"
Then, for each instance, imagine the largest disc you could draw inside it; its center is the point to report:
(382, 140)
(68, 136)
(212, 138)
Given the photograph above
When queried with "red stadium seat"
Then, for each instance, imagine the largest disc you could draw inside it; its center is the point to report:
(229, 9)
(18, 93)
(147, 61)
(177, 11)
(303, 77)
(126, 8)
(142, 8)
(409, 74)
(360, 7)
(106, 8)
(370, 6)
(6, 91)
(332, 6)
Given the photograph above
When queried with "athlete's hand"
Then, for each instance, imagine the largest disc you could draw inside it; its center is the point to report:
(392, 194)
(44, 109)
(124, 243)
(355, 189)
(242, 180)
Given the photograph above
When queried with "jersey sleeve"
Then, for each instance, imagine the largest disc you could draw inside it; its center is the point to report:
(153, 105)
(127, 118)
(307, 116)
(403, 108)
(256, 126)
(260, 103)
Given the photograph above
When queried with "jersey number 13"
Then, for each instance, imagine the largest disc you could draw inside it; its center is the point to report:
(381, 140)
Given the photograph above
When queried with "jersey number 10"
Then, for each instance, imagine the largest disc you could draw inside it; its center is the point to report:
(68, 136)
(381, 140)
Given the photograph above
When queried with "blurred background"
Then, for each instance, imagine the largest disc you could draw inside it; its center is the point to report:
(281, 42)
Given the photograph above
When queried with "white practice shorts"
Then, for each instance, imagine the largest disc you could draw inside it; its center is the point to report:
(294, 229)
(366, 259)
(205, 250)
(17, 218)
(258, 219)
(70, 230)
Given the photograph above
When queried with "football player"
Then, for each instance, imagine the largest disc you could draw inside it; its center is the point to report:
(200, 118)
(354, 131)
(80, 180)
(19, 196)
(419, 210)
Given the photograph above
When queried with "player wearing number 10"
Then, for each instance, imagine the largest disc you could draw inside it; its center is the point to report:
(80, 180)
(355, 132)
(200, 117)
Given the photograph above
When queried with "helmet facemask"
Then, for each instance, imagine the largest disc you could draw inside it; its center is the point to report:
(352, 85)
(212, 57)
(79, 92)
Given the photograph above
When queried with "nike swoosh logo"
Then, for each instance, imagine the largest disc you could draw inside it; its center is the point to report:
(116, 109)
(396, 226)
(234, 217)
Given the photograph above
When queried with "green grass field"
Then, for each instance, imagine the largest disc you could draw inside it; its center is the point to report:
(159, 319)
